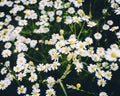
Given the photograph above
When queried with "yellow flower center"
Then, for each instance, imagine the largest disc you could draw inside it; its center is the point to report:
(50, 92)
(79, 1)
(2, 0)
(78, 85)
(113, 54)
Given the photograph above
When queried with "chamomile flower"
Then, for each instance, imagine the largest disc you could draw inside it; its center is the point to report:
(108, 75)
(99, 73)
(55, 65)
(101, 82)
(114, 28)
(92, 68)
(40, 67)
(114, 66)
(3, 71)
(7, 45)
(50, 92)
(110, 22)
(79, 67)
(71, 10)
(23, 22)
(21, 89)
(103, 94)
(50, 81)
(91, 24)
(118, 1)
(100, 51)
(105, 27)
(35, 86)
(33, 43)
(17, 68)
(35, 92)
(6, 53)
(88, 40)
(47, 67)
(98, 36)
(4, 83)
(112, 54)
(33, 77)
(68, 20)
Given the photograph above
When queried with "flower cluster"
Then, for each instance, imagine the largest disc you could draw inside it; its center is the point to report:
(44, 42)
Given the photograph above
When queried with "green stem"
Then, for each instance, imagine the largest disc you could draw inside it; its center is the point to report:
(81, 30)
(87, 92)
(75, 29)
(63, 88)
(27, 55)
(90, 12)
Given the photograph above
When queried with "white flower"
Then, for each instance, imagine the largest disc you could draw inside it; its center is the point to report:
(21, 60)
(3, 2)
(89, 40)
(33, 77)
(23, 22)
(114, 28)
(21, 75)
(77, 3)
(3, 70)
(47, 67)
(58, 19)
(42, 4)
(33, 43)
(100, 51)
(68, 20)
(114, 46)
(7, 45)
(35, 92)
(103, 94)
(91, 24)
(98, 36)
(51, 81)
(118, 34)
(99, 73)
(2, 14)
(112, 54)
(80, 12)
(101, 82)
(114, 66)
(58, 4)
(50, 92)
(40, 67)
(117, 11)
(105, 65)
(55, 65)
(110, 22)
(118, 1)
(108, 75)
(1, 25)
(59, 12)
(4, 83)
(71, 10)
(21, 90)
(86, 18)
(79, 67)
(35, 86)
(76, 19)
(6, 53)
(96, 57)
(17, 68)
(105, 27)
(92, 68)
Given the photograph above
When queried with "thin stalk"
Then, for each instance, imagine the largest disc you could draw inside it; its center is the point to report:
(63, 88)
(90, 12)
(81, 30)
